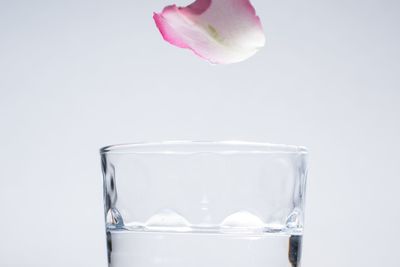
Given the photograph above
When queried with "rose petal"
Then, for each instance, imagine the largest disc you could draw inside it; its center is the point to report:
(220, 31)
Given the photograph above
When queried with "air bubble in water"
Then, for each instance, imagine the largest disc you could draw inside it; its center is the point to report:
(294, 220)
(242, 219)
(168, 219)
(114, 218)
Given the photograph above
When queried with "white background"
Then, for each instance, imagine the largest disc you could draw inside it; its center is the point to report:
(77, 75)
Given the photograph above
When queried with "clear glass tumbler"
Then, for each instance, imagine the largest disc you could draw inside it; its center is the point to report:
(204, 204)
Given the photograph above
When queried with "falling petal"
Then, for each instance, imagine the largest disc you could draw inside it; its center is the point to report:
(220, 31)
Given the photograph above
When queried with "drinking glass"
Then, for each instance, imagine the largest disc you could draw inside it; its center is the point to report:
(204, 204)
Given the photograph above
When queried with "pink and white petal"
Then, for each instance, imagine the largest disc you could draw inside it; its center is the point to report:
(220, 31)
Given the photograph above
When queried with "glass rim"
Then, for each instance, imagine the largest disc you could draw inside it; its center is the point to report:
(193, 147)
